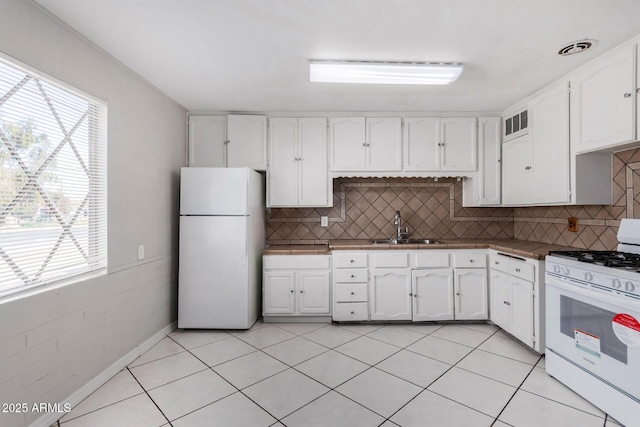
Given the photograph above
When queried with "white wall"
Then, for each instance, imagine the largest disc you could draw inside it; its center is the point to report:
(54, 342)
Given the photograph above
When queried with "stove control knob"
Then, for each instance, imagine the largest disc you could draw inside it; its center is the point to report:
(588, 276)
(629, 286)
(616, 283)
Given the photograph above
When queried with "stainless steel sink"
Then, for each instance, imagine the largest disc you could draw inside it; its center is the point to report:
(404, 242)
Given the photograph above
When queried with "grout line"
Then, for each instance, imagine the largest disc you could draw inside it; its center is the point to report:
(150, 398)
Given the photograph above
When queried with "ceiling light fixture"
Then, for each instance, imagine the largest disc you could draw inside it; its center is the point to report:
(397, 73)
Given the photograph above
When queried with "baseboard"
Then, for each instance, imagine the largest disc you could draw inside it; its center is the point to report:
(96, 382)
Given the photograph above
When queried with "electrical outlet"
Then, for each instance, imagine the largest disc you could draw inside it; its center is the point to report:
(140, 252)
(324, 221)
(572, 224)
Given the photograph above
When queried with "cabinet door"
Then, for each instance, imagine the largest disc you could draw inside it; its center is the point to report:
(384, 144)
(432, 294)
(421, 139)
(314, 175)
(605, 113)
(389, 297)
(458, 136)
(312, 288)
(347, 144)
(549, 135)
(207, 137)
(521, 313)
(470, 285)
(279, 292)
(282, 178)
(516, 171)
(499, 299)
(247, 141)
(490, 156)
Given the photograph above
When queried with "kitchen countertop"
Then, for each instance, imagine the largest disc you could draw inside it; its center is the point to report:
(524, 248)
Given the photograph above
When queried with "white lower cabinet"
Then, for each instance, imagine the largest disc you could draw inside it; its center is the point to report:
(296, 285)
(432, 294)
(429, 285)
(471, 294)
(515, 298)
(390, 294)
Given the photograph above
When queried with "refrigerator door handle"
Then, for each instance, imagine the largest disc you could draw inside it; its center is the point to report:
(247, 236)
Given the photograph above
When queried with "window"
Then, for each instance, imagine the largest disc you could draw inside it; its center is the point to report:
(53, 222)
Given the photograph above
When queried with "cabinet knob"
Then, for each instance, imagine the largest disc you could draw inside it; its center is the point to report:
(227, 142)
(517, 270)
(496, 262)
(353, 276)
(353, 312)
(301, 292)
(457, 293)
(504, 302)
(470, 260)
(415, 295)
(353, 293)
(291, 290)
(638, 90)
(410, 294)
(364, 144)
(627, 95)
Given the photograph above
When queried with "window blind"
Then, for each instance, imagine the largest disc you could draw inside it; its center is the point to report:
(53, 192)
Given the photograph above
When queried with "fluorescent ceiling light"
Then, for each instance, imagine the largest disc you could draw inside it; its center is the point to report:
(398, 73)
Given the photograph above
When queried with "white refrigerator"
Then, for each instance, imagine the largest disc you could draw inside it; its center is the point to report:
(222, 233)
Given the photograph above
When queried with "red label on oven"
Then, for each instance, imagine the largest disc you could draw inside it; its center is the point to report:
(627, 329)
(628, 321)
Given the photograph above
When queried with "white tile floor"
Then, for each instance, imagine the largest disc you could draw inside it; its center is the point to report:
(337, 375)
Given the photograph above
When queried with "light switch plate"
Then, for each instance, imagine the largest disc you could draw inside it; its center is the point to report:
(324, 221)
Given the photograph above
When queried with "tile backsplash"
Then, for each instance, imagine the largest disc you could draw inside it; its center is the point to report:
(363, 208)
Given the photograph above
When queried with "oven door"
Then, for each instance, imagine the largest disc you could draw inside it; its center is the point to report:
(596, 331)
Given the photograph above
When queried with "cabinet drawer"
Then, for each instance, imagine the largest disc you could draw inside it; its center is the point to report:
(428, 259)
(390, 260)
(350, 293)
(351, 275)
(290, 262)
(470, 260)
(351, 311)
(350, 260)
(522, 270)
(499, 262)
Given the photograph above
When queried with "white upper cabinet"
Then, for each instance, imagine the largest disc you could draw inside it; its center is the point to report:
(383, 144)
(458, 136)
(517, 180)
(247, 146)
(549, 134)
(435, 144)
(605, 93)
(347, 144)
(490, 158)
(298, 174)
(359, 144)
(536, 166)
(207, 141)
(421, 144)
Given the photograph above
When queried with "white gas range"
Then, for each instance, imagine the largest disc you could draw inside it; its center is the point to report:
(593, 323)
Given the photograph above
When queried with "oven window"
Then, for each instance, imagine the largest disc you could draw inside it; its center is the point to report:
(594, 320)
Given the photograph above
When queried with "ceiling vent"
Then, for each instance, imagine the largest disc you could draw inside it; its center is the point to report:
(576, 47)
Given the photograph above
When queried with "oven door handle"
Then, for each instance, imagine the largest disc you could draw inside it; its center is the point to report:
(618, 301)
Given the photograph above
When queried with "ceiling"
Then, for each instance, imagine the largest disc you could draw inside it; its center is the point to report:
(252, 55)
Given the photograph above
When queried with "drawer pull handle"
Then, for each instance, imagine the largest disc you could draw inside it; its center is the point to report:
(517, 270)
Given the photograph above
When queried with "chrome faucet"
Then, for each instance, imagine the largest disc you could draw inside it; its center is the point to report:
(397, 221)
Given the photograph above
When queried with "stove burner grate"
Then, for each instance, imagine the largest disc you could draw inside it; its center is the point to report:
(613, 259)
